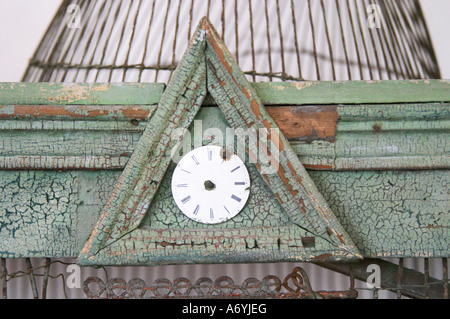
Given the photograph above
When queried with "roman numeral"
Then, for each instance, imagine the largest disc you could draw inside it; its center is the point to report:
(226, 209)
(195, 159)
(209, 155)
(196, 210)
(182, 185)
(185, 171)
(185, 200)
(235, 169)
(236, 198)
(211, 213)
(239, 183)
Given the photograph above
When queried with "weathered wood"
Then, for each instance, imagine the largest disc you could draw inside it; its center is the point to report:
(306, 124)
(270, 93)
(82, 127)
(359, 137)
(391, 213)
(76, 112)
(290, 184)
(386, 213)
(63, 163)
(239, 245)
(80, 93)
(351, 92)
(38, 214)
(116, 239)
(141, 177)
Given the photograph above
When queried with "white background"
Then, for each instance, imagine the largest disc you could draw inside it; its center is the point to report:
(24, 22)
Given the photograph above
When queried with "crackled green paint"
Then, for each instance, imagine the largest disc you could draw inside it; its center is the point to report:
(262, 210)
(375, 136)
(353, 92)
(80, 93)
(38, 213)
(116, 238)
(387, 213)
(139, 181)
(397, 212)
(392, 213)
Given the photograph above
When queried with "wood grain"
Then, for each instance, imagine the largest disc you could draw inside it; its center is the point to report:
(309, 123)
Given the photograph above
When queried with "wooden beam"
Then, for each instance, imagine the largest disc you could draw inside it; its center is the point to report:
(350, 92)
(80, 93)
(270, 93)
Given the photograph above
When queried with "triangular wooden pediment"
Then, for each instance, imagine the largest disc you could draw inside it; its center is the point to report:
(314, 232)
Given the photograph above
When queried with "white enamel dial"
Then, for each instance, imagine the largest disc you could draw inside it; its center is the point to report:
(208, 188)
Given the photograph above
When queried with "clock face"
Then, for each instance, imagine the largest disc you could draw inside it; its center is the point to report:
(209, 186)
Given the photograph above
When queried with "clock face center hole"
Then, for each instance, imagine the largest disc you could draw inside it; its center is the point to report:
(209, 185)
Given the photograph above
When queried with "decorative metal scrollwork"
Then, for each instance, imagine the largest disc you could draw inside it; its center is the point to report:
(295, 285)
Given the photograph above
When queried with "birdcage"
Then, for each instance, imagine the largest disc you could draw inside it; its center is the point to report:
(271, 41)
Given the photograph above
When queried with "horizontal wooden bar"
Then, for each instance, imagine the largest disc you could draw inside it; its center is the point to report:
(270, 93)
(80, 93)
(345, 133)
(351, 92)
(80, 112)
(325, 137)
(17, 163)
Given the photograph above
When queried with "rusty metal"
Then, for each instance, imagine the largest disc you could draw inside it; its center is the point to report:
(109, 47)
(32, 278)
(397, 278)
(445, 277)
(294, 285)
(400, 277)
(3, 275)
(46, 277)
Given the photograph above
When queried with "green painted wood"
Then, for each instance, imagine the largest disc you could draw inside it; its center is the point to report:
(141, 177)
(75, 113)
(50, 213)
(80, 93)
(351, 92)
(387, 213)
(290, 182)
(379, 136)
(270, 93)
(68, 130)
(376, 136)
(116, 238)
(392, 213)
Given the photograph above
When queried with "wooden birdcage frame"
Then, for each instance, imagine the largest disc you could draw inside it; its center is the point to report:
(332, 119)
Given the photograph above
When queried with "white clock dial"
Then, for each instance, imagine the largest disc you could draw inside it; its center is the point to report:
(208, 188)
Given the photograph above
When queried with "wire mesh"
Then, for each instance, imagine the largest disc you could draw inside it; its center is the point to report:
(272, 40)
(53, 278)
